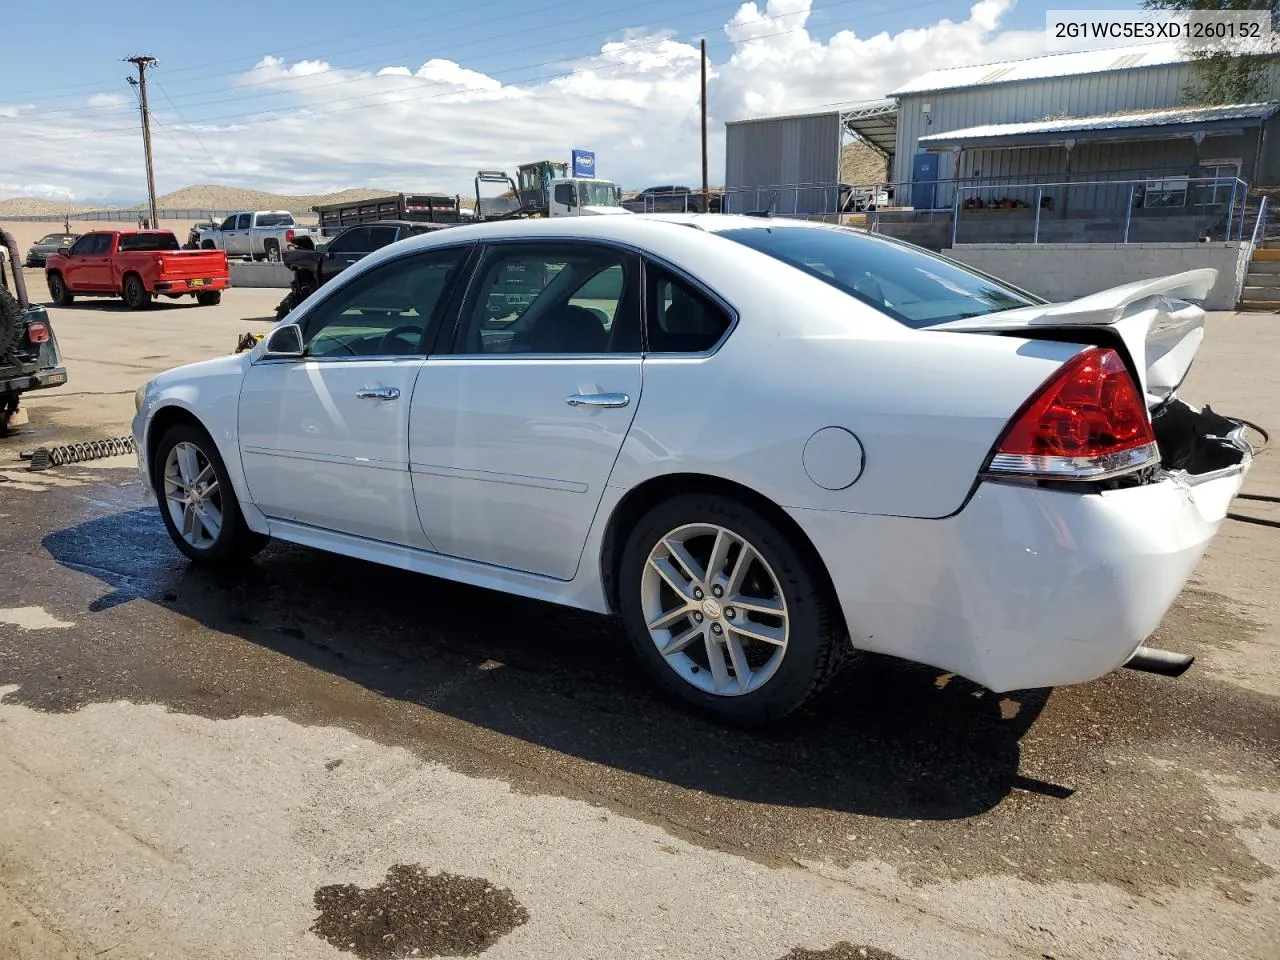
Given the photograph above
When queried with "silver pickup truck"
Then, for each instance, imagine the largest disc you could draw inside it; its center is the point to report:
(258, 235)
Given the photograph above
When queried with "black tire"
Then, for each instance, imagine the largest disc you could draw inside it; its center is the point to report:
(817, 644)
(207, 245)
(12, 324)
(235, 542)
(58, 292)
(135, 294)
(210, 298)
(273, 251)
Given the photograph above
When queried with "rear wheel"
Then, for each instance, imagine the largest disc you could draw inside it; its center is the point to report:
(273, 251)
(210, 298)
(58, 291)
(135, 294)
(726, 612)
(197, 502)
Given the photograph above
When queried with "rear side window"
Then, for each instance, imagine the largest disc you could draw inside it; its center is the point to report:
(910, 285)
(678, 317)
(355, 240)
(379, 237)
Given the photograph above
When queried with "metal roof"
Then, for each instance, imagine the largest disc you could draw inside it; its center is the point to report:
(1043, 68)
(876, 123)
(1136, 120)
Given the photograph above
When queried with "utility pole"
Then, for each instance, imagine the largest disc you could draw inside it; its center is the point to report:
(141, 83)
(706, 189)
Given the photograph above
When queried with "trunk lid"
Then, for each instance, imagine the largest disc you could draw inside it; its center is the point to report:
(1156, 322)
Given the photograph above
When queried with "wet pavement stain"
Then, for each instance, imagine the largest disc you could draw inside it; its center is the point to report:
(841, 951)
(413, 913)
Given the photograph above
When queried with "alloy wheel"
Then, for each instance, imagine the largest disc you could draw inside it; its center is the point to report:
(192, 495)
(715, 609)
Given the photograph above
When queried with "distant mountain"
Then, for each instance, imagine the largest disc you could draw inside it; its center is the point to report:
(205, 196)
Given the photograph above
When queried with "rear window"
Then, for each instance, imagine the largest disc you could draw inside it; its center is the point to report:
(275, 220)
(910, 285)
(147, 241)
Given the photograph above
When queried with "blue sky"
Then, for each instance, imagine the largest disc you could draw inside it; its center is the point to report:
(224, 116)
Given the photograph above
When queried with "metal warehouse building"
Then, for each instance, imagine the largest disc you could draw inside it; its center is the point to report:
(1099, 135)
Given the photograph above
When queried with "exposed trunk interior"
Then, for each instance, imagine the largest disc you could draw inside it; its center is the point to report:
(1196, 441)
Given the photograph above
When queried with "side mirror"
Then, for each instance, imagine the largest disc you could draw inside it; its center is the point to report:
(284, 341)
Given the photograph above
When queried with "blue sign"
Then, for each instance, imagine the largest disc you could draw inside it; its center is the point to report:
(584, 163)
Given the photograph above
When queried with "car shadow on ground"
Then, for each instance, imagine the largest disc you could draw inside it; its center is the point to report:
(888, 739)
(113, 304)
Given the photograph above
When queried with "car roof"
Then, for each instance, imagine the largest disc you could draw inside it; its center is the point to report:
(622, 227)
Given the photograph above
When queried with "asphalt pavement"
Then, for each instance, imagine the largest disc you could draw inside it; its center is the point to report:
(319, 757)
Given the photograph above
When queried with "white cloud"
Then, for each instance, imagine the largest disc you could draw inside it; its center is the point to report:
(319, 126)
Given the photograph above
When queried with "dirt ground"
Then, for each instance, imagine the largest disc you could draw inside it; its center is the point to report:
(320, 757)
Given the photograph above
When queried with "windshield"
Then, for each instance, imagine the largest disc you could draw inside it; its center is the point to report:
(275, 220)
(58, 238)
(595, 193)
(910, 285)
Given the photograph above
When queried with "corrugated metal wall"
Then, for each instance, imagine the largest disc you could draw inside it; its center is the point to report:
(798, 158)
(1078, 96)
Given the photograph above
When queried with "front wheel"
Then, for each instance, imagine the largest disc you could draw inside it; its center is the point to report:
(58, 291)
(197, 502)
(726, 611)
(210, 298)
(135, 294)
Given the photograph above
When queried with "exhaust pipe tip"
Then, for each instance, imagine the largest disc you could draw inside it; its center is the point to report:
(1164, 662)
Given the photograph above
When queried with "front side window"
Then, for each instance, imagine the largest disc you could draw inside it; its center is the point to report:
(83, 245)
(385, 312)
(561, 299)
(229, 223)
(914, 287)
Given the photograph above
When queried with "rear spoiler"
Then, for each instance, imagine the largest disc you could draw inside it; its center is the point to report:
(1098, 309)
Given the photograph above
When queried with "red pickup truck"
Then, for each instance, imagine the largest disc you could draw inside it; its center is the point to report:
(136, 265)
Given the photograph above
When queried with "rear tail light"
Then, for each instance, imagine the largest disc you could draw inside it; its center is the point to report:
(1087, 422)
(288, 236)
(38, 331)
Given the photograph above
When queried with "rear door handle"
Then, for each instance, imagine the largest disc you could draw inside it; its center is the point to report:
(598, 400)
(378, 393)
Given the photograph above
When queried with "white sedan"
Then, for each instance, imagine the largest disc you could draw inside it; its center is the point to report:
(765, 444)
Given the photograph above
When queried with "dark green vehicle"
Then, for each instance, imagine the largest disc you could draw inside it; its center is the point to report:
(29, 355)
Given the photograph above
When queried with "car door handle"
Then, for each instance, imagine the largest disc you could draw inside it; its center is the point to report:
(598, 400)
(378, 393)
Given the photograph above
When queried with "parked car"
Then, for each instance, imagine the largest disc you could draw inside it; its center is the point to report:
(315, 265)
(765, 444)
(257, 235)
(29, 355)
(49, 243)
(672, 199)
(136, 265)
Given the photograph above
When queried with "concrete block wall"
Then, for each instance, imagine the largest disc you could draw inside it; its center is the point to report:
(246, 274)
(1066, 271)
